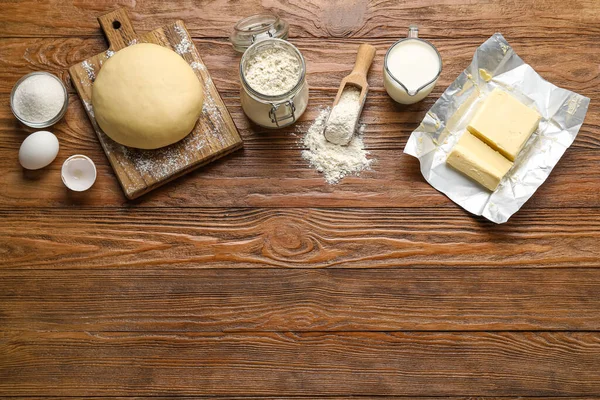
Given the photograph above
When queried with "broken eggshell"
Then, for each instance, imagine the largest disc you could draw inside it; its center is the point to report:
(78, 173)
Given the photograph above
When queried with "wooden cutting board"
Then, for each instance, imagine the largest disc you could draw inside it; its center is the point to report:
(214, 135)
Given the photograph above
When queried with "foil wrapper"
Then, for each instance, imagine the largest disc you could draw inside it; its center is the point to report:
(495, 64)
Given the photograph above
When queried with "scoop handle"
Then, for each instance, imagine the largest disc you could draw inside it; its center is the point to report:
(364, 59)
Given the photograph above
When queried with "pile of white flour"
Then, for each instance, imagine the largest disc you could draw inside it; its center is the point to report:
(334, 161)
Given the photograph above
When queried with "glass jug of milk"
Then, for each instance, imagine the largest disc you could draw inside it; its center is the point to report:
(411, 68)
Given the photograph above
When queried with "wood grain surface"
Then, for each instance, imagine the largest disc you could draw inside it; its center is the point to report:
(392, 299)
(251, 278)
(316, 18)
(322, 363)
(161, 238)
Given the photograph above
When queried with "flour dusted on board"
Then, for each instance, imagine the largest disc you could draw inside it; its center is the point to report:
(184, 46)
(332, 160)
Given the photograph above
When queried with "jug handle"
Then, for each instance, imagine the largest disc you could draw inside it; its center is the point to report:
(413, 32)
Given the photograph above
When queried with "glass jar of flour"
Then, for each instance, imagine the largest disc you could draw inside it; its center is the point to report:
(274, 91)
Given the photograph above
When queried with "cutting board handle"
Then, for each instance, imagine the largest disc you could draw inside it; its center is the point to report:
(118, 29)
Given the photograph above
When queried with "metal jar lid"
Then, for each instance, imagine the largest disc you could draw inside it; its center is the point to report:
(257, 27)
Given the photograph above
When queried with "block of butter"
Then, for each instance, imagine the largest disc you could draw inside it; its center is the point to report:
(504, 123)
(478, 161)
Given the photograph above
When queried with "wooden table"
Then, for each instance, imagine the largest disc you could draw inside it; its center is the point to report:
(252, 277)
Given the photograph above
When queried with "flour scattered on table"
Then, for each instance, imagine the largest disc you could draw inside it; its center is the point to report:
(332, 160)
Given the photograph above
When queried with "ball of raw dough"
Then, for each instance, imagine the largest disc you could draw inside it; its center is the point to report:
(146, 96)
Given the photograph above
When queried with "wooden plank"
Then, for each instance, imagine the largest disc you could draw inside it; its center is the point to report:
(176, 300)
(279, 397)
(160, 238)
(279, 177)
(315, 18)
(292, 363)
(394, 182)
(569, 62)
(213, 136)
(296, 397)
(387, 126)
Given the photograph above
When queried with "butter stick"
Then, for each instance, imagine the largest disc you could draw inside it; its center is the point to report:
(504, 123)
(478, 161)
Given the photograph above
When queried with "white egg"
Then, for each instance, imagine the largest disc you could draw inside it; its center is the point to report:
(38, 150)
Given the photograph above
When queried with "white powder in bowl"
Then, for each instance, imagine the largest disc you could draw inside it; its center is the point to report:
(38, 98)
(272, 71)
(334, 161)
(344, 116)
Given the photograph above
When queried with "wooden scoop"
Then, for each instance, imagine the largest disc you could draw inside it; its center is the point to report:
(358, 79)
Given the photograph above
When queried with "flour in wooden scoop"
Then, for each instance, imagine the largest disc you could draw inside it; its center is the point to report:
(344, 117)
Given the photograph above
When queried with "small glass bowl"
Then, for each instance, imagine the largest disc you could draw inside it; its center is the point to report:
(43, 124)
